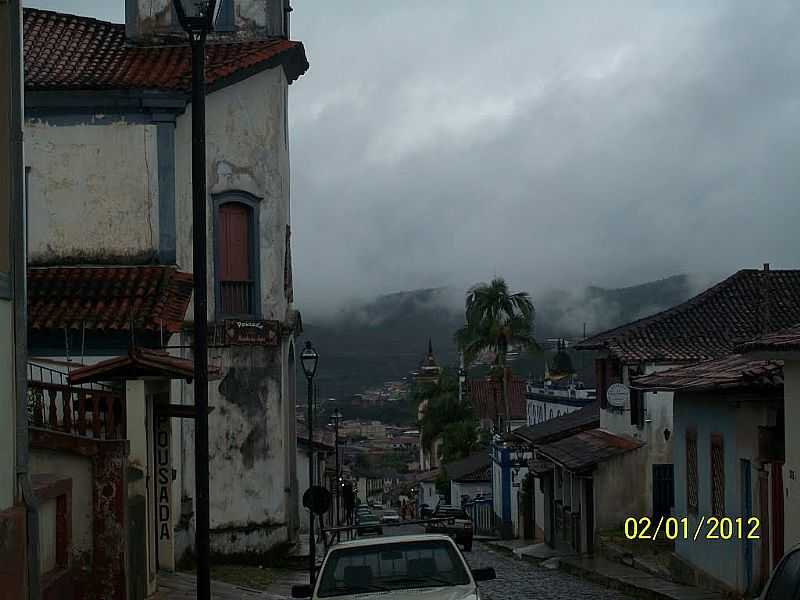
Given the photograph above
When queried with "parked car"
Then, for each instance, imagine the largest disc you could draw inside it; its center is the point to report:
(785, 580)
(396, 568)
(390, 516)
(459, 525)
(368, 523)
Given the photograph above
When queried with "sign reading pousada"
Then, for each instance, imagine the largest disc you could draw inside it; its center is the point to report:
(618, 395)
(251, 332)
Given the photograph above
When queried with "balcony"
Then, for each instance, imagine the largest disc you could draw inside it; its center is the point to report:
(236, 298)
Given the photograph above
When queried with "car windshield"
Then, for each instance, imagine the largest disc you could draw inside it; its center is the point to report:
(383, 567)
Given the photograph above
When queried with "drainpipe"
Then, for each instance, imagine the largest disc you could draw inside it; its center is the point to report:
(19, 276)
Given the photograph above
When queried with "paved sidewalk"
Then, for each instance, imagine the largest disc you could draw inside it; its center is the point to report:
(631, 580)
(182, 586)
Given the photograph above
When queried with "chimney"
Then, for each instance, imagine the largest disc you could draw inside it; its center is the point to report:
(766, 266)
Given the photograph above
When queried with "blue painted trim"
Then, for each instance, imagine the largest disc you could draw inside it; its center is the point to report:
(226, 19)
(254, 204)
(166, 194)
(506, 486)
(6, 286)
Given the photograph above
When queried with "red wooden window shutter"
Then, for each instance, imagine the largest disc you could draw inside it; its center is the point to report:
(234, 243)
(717, 476)
(692, 499)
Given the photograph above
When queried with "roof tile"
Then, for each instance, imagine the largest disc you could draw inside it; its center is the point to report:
(69, 52)
(711, 324)
(108, 298)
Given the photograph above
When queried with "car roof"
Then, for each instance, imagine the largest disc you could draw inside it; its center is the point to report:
(395, 539)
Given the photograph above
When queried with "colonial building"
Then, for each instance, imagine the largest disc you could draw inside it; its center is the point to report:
(728, 440)
(709, 325)
(108, 147)
(469, 477)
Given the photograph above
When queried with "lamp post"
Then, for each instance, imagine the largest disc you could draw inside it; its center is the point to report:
(336, 417)
(197, 19)
(309, 359)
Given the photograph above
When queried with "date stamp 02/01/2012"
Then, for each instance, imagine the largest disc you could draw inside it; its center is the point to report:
(707, 528)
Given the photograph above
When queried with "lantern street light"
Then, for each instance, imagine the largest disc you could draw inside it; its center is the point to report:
(197, 19)
(336, 417)
(309, 359)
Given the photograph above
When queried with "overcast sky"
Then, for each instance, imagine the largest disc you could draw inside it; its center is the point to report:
(555, 143)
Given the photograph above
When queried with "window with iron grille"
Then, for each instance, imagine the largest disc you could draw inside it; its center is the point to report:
(691, 471)
(236, 262)
(717, 476)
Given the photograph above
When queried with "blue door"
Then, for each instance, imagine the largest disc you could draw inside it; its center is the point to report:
(747, 512)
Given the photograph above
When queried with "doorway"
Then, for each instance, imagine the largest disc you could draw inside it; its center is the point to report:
(663, 490)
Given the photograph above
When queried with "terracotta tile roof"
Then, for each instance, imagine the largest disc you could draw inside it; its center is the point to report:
(475, 467)
(785, 340)
(712, 323)
(482, 393)
(588, 448)
(733, 371)
(582, 419)
(69, 52)
(107, 298)
(139, 362)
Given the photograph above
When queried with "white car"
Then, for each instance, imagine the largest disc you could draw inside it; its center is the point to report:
(396, 568)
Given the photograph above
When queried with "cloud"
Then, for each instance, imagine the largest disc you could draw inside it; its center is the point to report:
(556, 144)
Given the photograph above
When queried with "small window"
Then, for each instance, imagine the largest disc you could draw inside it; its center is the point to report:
(717, 476)
(691, 471)
(236, 258)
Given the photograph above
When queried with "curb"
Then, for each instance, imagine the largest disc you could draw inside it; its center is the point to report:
(612, 583)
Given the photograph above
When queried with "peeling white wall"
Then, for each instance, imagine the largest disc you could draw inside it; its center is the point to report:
(93, 190)
(791, 468)
(251, 429)
(79, 469)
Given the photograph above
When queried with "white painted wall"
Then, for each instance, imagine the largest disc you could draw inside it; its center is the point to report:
(791, 468)
(470, 488)
(657, 450)
(250, 431)
(79, 469)
(92, 190)
(7, 412)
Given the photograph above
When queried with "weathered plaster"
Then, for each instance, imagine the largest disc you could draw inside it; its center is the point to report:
(148, 19)
(791, 468)
(93, 191)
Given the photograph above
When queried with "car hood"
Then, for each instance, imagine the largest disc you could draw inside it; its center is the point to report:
(459, 592)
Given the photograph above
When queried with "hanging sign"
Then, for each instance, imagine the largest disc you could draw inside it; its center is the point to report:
(618, 395)
(251, 332)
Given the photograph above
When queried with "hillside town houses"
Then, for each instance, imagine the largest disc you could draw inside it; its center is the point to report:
(105, 180)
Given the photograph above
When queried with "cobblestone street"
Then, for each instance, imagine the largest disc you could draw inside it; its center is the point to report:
(521, 580)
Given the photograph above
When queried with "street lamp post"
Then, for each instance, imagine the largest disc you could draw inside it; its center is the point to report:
(309, 359)
(337, 416)
(197, 19)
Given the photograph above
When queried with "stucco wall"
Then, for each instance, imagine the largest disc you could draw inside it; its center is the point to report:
(79, 469)
(738, 426)
(614, 481)
(93, 191)
(7, 413)
(657, 449)
(250, 430)
(791, 468)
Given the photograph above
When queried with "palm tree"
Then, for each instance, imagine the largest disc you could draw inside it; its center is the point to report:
(496, 320)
